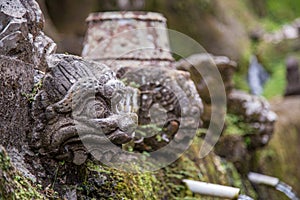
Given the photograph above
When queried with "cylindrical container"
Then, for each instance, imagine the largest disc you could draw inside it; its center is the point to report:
(127, 38)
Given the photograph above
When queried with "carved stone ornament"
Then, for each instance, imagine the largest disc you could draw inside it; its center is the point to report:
(136, 46)
(81, 102)
(80, 106)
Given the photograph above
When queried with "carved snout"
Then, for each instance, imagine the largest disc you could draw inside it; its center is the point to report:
(128, 122)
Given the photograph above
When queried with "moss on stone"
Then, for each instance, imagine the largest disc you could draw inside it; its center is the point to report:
(235, 124)
(104, 182)
(36, 88)
(236, 180)
(116, 184)
(12, 184)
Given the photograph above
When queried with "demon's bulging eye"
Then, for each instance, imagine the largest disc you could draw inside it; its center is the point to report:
(96, 109)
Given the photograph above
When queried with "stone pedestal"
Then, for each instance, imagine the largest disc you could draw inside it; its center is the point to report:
(127, 39)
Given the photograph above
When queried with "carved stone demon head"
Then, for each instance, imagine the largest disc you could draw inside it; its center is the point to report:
(81, 102)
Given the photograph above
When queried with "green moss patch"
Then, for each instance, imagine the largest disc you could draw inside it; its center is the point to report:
(12, 184)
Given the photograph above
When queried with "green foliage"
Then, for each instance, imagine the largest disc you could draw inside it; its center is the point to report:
(240, 76)
(273, 57)
(247, 141)
(240, 81)
(283, 11)
(269, 24)
(275, 86)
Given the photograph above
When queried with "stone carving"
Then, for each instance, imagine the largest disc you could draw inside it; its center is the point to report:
(253, 111)
(254, 122)
(78, 101)
(21, 36)
(223, 63)
(168, 101)
(135, 45)
(250, 115)
(292, 77)
(194, 62)
(80, 97)
(256, 112)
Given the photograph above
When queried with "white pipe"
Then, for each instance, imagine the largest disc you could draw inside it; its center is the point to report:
(212, 189)
(263, 179)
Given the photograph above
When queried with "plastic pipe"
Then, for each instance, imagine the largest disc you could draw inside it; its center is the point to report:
(263, 179)
(212, 189)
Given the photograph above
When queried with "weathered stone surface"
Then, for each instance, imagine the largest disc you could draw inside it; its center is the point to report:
(66, 79)
(139, 36)
(225, 66)
(249, 121)
(12, 184)
(281, 157)
(24, 48)
(193, 65)
(72, 93)
(80, 101)
(256, 112)
(66, 97)
(167, 99)
(21, 33)
(233, 149)
(253, 110)
(293, 77)
(135, 45)
(16, 83)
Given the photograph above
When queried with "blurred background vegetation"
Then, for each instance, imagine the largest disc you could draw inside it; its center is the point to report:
(221, 27)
